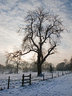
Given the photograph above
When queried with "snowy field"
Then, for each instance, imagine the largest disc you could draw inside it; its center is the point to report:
(60, 86)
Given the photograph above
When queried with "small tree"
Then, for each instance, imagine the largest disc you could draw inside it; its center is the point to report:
(51, 68)
(12, 58)
(46, 66)
(61, 66)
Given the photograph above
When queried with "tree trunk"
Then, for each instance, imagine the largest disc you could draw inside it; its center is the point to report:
(39, 64)
(39, 68)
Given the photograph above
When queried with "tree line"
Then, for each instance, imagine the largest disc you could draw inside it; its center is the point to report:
(65, 65)
(27, 67)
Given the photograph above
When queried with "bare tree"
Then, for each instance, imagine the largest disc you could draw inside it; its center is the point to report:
(41, 35)
(13, 58)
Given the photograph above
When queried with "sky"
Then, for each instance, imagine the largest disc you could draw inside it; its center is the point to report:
(12, 13)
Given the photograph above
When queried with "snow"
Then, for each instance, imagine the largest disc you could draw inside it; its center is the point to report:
(60, 86)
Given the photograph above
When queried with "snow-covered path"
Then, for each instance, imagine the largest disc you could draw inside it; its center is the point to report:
(61, 86)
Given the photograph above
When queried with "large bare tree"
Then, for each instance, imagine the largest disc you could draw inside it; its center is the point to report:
(41, 35)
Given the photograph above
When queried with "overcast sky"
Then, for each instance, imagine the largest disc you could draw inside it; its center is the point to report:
(12, 13)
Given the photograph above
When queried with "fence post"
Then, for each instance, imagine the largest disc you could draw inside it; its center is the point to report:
(23, 80)
(43, 77)
(8, 82)
(52, 75)
(30, 79)
(62, 73)
(58, 74)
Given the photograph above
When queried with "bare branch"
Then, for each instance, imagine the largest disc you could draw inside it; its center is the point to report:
(49, 53)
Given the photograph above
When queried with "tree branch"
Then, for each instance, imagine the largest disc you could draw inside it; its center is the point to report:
(49, 53)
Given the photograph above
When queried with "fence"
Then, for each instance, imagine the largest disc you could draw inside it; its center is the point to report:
(28, 79)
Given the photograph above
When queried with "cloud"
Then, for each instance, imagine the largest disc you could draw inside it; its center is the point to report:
(12, 13)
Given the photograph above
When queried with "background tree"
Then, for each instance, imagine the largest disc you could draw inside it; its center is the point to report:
(51, 68)
(25, 66)
(60, 66)
(9, 68)
(33, 66)
(46, 66)
(12, 58)
(71, 64)
(2, 68)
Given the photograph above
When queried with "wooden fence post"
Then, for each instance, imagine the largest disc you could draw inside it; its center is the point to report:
(52, 75)
(58, 74)
(23, 80)
(43, 77)
(62, 73)
(30, 79)
(8, 82)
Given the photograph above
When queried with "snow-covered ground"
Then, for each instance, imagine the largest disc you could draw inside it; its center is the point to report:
(61, 86)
